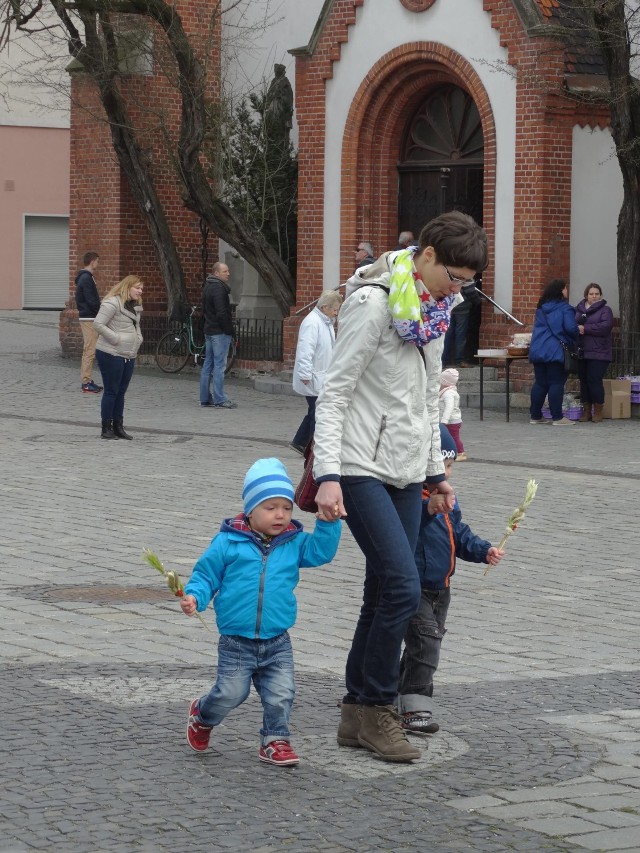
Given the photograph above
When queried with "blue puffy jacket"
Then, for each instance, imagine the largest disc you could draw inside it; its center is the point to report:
(562, 320)
(251, 584)
(442, 538)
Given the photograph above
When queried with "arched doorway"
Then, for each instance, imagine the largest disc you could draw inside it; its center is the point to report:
(442, 159)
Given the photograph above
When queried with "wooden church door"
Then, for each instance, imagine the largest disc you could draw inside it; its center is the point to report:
(442, 161)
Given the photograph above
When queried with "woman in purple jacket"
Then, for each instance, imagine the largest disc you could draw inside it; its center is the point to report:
(595, 322)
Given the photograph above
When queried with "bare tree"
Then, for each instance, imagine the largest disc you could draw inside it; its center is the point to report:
(92, 30)
(609, 29)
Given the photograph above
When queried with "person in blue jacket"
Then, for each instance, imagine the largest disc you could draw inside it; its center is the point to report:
(554, 324)
(443, 537)
(250, 571)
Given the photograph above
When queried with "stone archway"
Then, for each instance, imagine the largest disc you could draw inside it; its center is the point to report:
(384, 104)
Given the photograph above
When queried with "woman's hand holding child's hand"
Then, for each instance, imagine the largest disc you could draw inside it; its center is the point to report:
(188, 604)
(437, 504)
(494, 555)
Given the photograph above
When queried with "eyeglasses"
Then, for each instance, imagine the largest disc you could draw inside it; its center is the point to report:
(454, 279)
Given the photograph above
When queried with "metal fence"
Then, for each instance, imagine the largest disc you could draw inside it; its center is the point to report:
(626, 358)
(257, 339)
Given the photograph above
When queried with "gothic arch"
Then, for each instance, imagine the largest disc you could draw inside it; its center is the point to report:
(384, 103)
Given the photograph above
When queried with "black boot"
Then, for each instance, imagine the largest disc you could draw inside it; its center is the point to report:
(119, 432)
(107, 430)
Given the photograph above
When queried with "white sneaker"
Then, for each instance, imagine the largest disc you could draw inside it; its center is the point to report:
(563, 422)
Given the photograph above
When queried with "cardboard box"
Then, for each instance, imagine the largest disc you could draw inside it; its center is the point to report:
(617, 398)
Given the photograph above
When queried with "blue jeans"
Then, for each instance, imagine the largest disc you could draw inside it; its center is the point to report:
(550, 377)
(269, 664)
(308, 426)
(422, 651)
(455, 338)
(215, 361)
(591, 372)
(384, 521)
(116, 375)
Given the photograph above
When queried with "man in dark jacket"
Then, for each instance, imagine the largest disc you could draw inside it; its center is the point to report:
(218, 331)
(363, 255)
(88, 304)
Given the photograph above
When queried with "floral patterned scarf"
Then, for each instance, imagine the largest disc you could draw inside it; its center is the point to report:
(418, 317)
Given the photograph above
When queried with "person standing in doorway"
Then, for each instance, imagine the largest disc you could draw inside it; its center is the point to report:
(405, 239)
(218, 332)
(88, 304)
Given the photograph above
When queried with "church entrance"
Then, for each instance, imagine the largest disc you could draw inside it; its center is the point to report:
(442, 169)
(442, 161)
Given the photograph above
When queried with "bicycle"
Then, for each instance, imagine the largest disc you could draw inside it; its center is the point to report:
(174, 348)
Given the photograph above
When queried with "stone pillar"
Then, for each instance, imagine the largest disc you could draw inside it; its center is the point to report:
(249, 291)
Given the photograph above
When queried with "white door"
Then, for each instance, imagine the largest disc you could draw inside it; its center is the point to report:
(46, 261)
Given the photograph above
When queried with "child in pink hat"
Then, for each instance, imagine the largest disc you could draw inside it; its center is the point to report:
(449, 402)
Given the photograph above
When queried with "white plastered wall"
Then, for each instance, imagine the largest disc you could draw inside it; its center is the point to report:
(462, 26)
(596, 197)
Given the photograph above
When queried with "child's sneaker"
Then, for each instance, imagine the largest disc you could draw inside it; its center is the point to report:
(419, 721)
(278, 752)
(197, 733)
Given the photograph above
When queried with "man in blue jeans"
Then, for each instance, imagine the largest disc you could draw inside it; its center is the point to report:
(218, 331)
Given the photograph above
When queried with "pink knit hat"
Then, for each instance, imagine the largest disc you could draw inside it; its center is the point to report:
(449, 376)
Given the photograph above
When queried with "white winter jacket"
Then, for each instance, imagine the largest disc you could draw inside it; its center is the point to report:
(118, 327)
(450, 406)
(316, 339)
(377, 414)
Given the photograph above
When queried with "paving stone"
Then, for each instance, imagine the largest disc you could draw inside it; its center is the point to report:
(537, 704)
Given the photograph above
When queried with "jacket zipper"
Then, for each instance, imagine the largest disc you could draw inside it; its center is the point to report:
(261, 595)
(383, 426)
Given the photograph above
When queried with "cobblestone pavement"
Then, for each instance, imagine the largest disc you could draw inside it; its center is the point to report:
(539, 748)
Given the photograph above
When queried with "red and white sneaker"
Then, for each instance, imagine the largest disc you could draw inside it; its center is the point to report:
(197, 733)
(278, 752)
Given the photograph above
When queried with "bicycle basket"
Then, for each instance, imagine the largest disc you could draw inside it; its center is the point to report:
(180, 312)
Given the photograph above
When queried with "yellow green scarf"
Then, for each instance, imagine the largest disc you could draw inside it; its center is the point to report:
(417, 316)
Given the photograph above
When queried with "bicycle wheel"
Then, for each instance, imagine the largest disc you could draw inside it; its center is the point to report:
(172, 352)
(231, 355)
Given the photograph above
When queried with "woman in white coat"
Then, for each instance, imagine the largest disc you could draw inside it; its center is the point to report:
(316, 340)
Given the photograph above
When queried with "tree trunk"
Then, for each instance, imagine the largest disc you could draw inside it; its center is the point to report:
(613, 34)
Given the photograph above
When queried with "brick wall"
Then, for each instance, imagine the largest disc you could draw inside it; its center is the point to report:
(103, 214)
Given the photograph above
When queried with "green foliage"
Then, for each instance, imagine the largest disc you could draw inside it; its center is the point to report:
(259, 168)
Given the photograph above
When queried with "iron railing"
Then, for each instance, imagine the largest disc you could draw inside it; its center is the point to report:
(626, 357)
(258, 339)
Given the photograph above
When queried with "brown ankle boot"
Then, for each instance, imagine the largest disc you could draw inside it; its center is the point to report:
(586, 413)
(350, 719)
(381, 731)
(597, 412)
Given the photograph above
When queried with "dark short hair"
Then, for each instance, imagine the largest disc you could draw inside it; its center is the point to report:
(457, 239)
(88, 257)
(589, 286)
(553, 292)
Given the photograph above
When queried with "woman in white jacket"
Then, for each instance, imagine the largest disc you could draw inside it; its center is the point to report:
(118, 325)
(377, 439)
(316, 340)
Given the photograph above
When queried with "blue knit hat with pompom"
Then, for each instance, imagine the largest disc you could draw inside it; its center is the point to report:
(447, 444)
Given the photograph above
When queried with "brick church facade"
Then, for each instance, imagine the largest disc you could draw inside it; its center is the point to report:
(404, 108)
(410, 107)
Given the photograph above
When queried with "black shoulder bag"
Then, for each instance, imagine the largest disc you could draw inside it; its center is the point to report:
(569, 350)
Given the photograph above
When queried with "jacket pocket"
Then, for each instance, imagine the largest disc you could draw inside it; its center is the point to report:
(383, 426)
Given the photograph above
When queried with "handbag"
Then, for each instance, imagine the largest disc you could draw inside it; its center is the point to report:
(568, 350)
(307, 489)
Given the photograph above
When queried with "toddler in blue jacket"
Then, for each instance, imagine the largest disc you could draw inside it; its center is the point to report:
(250, 570)
(442, 538)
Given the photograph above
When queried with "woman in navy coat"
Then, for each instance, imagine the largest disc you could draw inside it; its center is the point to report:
(554, 324)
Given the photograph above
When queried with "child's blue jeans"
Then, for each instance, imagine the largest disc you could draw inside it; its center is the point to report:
(269, 664)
